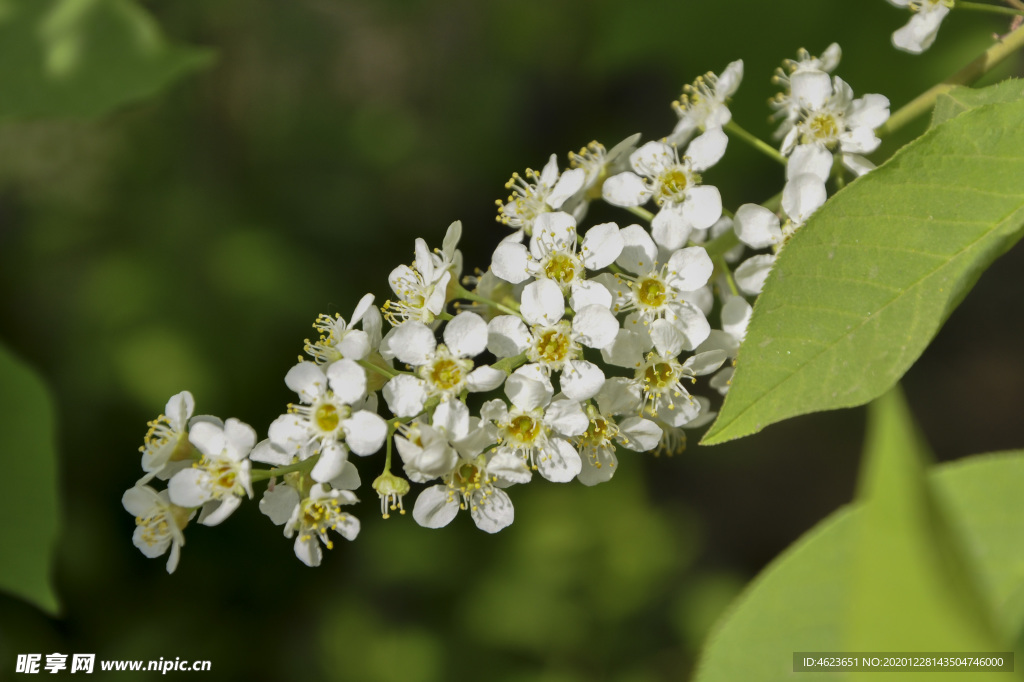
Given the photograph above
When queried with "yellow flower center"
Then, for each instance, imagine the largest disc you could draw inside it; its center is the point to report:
(326, 417)
(824, 127)
(598, 433)
(673, 185)
(659, 375)
(561, 267)
(651, 292)
(552, 345)
(523, 429)
(446, 374)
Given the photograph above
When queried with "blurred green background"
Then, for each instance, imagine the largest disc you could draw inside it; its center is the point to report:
(188, 239)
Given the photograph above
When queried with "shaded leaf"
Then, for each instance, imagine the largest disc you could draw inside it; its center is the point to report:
(857, 294)
(913, 589)
(84, 57)
(28, 505)
(960, 99)
(801, 601)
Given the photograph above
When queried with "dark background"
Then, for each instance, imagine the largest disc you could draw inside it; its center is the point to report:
(189, 241)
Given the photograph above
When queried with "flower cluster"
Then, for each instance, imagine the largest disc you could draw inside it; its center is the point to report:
(578, 344)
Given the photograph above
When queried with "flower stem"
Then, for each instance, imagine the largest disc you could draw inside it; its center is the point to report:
(642, 212)
(462, 292)
(981, 65)
(263, 474)
(507, 365)
(390, 374)
(723, 267)
(755, 142)
(991, 9)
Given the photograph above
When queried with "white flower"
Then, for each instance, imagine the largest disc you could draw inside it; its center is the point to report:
(919, 33)
(596, 164)
(832, 122)
(758, 227)
(310, 519)
(736, 314)
(537, 429)
(328, 419)
(421, 289)
(787, 107)
(221, 477)
(432, 451)
(554, 344)
(552, 253)
(674, 184)
(166, 449)
(536, 194)
(703, 105)
(596, 445)
(158, 523)
(471, 479)
(475, 484)
(661, 376)
(443, 371)
(660, 292)
(338, 339)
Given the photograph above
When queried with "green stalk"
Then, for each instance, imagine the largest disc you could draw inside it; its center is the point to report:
(990, 9)
(755, 142)
(981, 65)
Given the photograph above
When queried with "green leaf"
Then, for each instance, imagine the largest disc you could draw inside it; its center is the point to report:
(802, 600)
(83, 57)
(960, 99)
(28, 505)
(913, 589)
(857, 294)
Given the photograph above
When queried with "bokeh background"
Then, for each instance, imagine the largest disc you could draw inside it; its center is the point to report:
(188, 240)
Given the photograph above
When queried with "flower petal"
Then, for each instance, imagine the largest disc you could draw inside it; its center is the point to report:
(412, 343)
(348, 381)
(638, 251)
(690, 268)
(509, 262)
(670, 228)
(559, 462)
(595, 326)
(752, 273)
(601, 246)
(543, 302)
(435, 507)
(364, 432)
(484, 378)
(706, 150)
(756, 226)
(638, 434)
(581, 380)
(179, 408)
(589, 292)
(492, 513)
(466, 335)
(802, 196)
(279, 503)
(507, 336)
(405, 395)
(529, 388)
(703, 206)
(625, 189)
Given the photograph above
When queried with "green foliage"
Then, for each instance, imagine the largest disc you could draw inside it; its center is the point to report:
(912, 590)
(83, 57)
(960, 99)
(28, 505)
(923, 563)
(858, 293)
